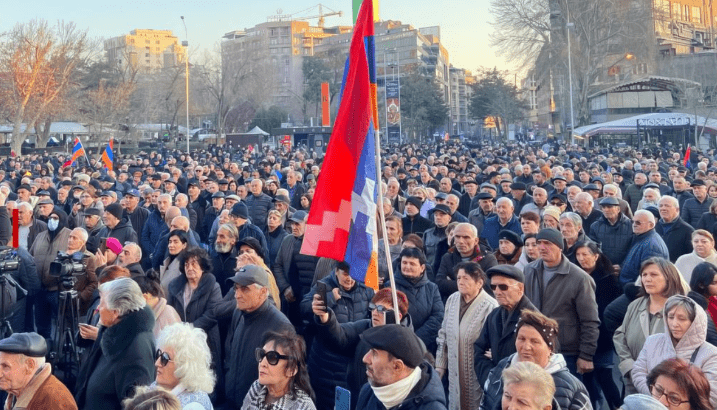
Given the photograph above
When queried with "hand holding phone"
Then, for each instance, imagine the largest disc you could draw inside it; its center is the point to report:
(321, 293)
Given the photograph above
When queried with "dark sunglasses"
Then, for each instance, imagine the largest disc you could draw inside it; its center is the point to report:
(380, 308)
(163, 357)
(503, 287)
(272, 357)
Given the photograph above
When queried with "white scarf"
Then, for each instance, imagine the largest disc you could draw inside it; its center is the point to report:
(394, 394)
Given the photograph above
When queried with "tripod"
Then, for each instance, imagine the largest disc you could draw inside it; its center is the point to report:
(5, 281)
(64, 356)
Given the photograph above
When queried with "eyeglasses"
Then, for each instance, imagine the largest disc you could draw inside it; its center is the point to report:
(502, 286)
(380, 308)
(636, 223)
(163, 357)
(557, 203)
(658, 391)
(272, 357)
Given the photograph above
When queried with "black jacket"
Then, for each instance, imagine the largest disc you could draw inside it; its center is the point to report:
(677, 236)
(121, 358)
(223, 267)
(614, 240)
(427, 395)
(498, 339)
(693, 209)
(123, 232)
(424, 305)
(416, 224)
(446, 278)
(607, 289)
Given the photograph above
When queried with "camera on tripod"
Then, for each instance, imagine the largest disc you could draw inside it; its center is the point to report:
(67, 267)
(9, 261)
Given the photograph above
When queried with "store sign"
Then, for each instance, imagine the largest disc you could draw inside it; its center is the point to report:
(664, 122)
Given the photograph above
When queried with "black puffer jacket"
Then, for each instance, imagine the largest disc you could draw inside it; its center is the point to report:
(677, 236)
(614, 240)
(570, 393)
(123, 232)
(424, 305)
(259, 207)
(693, 209)
(273, 242)
(446, 278)
(327, 366)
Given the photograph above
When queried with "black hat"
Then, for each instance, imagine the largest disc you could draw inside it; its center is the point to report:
(25, 187)
(551, 235)
(519, 186)
(560, 197)
(484, 195)
(511, 236)
(249, 275)
(441, 195)
(171, 181)
(115, 209)
(96, 185)
(470, 181)
(401, 171)
(559, 177)
(281, 198)
(42, 193)
(298, 216)
(509, 271)
(609, 201)
(596, 179)
(415, 201)
(240, 210)
(443, 208)
(155, 177)
(78, 187)
(400, 341)
(192, 182)
(30, 344)
(488, 185)
(651, 185)
(252, 243)
(698, 182)
(105, 193)
(591, 187)
(93, 211)
(223, 181)
(218, 194)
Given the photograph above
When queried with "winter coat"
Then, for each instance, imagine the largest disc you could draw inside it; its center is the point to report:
(153, 229)
(707, 220)
(643, 247)
(677, 236)
(121, 358)
(200, 309)
(633, 195)
(426, 395)
(687, 263)
(455, 348)
(693, 209)
(256, 399)
(569, 298)
(137, 219)
(282, 269)
(415, 224)
(223, 267)
(446, 277)
(44, 251)
(614, 240)
(431, 238)
(43, 392)
(659, 347)
(424, 305)
(477, 218)
(168, 272)
(123, 232)
(327, 367)
(246, 333)
(259, 207)
(630, 337)
(607, 289)
(570, 393)
(35, 229)
(492, 227)
(503, 259)
(499, 339)
(273, 242)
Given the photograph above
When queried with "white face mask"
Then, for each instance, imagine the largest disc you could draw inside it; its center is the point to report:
(52, 224)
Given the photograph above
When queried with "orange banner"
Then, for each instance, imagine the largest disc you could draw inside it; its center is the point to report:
(325, 106)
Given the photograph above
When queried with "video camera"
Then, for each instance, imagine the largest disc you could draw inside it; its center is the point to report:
(9, 260)
(67, 267)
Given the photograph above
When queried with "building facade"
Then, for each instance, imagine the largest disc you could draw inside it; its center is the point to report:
(145, 50)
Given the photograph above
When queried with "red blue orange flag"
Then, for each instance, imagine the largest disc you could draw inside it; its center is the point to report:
(687, 157)
(342, 220)
(77, 151)
(108, 157)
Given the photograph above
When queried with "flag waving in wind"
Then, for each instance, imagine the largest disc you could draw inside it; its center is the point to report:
(77, 151)
(108, 157)
(342, 220)
(687, 157)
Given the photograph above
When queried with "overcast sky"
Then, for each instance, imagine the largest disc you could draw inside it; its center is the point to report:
(464, 23)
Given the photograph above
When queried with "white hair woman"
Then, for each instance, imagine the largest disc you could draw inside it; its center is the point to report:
(527, 383)
(184, 365)
(122, 357)
(703, 250)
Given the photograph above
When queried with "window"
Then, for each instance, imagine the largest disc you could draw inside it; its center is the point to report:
(147, 55)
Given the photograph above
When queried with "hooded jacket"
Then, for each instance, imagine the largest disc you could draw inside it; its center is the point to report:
(659, 347)
(45, 247)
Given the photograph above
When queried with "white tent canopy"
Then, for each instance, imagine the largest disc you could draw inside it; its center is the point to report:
(256, 131)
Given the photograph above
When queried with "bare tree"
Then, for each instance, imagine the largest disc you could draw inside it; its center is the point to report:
(40, 61)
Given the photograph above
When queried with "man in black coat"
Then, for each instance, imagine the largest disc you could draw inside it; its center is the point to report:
(413, 222)
(498, 334)
(116, 226)
(676, 232)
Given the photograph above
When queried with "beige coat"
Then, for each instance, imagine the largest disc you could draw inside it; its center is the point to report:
(455, 349)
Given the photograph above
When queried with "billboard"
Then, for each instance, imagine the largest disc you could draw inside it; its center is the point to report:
(393, 109)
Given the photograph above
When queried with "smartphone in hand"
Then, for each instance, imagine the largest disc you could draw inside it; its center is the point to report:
(321, 290)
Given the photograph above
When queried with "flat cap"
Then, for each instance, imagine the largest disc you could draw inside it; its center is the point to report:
(400, 341)
(484, 195)
(559, 177)
(281, 198)
(250, 274)
(562, 198)
(518, 186)
(233, 197)
(93, 211)
(298, 216)
(470, 181)
(42, 193)
(30, 344)
(132, 192)
(441, 195)
(511, 236)
(218, 194)
(609, 201)
(591, 187)
(509, 271)
(698, 182)
(488, 185)
(443, 208)
(651, 185)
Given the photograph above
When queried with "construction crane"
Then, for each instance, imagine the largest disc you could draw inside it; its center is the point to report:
(321, 16)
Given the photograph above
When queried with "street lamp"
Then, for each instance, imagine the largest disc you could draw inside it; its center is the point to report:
(570, 80)
(627, 56)
(185, 43)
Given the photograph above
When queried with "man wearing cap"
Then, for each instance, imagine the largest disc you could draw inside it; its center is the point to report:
(700, 204)
(398, 376)
(254, 315)
(561, 290)
(116, 226)
(413, 222)
(239, 215)
(612, 231)
(470, 187)
(633, 193)
(133, 212)
(258, 203)
(504, 219)
(485, 210)
(498, 334)
(26, 377)
(211, 213)
(520, 196)
(431, 238)
(675, 231)
(283, 205)
(44, 207)
(197, 203)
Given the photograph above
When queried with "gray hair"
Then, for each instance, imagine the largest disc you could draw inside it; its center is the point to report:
(472, 227)
(136, 249)
(672, 200)
(192, 357)
(26, 206)
(649, 215)
(505, 199)
(83, 233)
(681, 301)
(122, 295)
(573, 217)
(584, 196)
(534, 375)
(231, 229)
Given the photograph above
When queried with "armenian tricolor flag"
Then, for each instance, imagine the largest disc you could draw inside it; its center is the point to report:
(77, 151)
(108, 157)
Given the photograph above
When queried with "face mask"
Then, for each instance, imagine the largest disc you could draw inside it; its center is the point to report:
(52, 224)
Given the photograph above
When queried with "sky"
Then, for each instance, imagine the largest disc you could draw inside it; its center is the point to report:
(465, 24)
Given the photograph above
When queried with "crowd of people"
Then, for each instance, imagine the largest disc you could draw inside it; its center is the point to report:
(526, 277)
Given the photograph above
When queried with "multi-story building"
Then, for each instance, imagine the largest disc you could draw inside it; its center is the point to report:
(459, 100)
(145, 50)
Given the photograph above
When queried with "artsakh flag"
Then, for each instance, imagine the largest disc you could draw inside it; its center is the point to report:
(687, 157)
(342, 220)
(108, 157)
(77, 151)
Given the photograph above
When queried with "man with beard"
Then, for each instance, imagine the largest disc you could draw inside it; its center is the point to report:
(116, 226)
(130, 258)
(224, 260)
(93, 225)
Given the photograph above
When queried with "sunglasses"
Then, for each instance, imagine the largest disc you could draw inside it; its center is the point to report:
(503, 287)
(272, 357)
(163, 357)
(380, 308)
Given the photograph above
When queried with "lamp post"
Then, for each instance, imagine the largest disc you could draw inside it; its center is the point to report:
(185, 43)
(627, 56)
(570, 80)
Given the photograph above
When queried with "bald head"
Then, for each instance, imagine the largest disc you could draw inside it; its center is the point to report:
(172, 213)
(181, 223)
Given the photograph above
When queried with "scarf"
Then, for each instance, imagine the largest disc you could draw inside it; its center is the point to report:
(394, 394)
